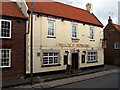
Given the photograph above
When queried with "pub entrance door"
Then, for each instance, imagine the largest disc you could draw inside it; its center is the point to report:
(75, 61)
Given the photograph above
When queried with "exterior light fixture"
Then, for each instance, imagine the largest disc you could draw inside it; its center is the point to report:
(104, 43)
(67, 52)
(84, 52)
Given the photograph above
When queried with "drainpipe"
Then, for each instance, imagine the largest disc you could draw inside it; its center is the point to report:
(28, 24)
(31, 48)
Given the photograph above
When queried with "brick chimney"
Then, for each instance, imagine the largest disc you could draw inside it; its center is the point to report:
(89, 8)
(110, 20)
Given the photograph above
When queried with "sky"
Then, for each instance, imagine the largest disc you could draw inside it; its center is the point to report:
(101, 8)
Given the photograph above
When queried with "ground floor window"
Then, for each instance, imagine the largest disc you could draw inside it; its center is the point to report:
(92, 56)
(117, 45)
(83, 58)
(5, 57)
(50, 58)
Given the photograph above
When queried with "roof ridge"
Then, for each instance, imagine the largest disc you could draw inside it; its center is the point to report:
(65, 10)
(70, 5)
(116, 24)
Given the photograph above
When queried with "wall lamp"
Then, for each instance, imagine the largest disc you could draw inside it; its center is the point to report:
(84, 52)
(67, 52)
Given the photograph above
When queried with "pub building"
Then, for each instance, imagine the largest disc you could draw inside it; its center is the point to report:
(63, 34)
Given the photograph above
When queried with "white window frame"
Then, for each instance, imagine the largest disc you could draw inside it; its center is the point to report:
(117, 45)
(1, 28)
(52, 21)
(92, 55)
(9, 58)
(91, 33)
(75, 32)
(52, 57)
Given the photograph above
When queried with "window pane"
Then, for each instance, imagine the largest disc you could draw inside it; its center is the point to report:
(5, 29)
(55, 54)
(45, 54)
(45, 62)
(91, 33)
(5, 57)
(50, 54)
(74, 33)
(92, 56)
(50, 58)
(55, 59)
(51, 28)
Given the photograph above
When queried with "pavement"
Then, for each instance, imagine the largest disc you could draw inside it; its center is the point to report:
(53, 80)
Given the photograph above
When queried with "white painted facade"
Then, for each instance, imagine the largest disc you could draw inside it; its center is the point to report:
(61, 42)
(63, 34)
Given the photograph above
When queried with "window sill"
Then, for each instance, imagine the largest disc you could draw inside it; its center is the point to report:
(5, 38)
(51, 37)
(5, 67)
(117, 48)
(51, 65)
(92, 61)
(92, 40)
(75, 38)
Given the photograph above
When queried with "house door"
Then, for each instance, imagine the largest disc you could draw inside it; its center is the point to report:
(75, 60)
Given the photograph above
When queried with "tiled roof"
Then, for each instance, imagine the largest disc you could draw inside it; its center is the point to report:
(10, 9)
(63, 10)
(117, 26)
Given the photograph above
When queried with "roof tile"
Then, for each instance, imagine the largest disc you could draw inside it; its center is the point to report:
(117, 26)
(63, 10)
(10, 9)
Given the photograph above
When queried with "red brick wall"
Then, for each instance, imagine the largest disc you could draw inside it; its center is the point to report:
(17, 44)
(112, 56)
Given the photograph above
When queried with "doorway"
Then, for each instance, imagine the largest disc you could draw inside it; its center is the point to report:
(75, 61)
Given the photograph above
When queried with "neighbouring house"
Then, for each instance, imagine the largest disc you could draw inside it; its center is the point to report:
(12, 41)
(112, 36)
(63, 34)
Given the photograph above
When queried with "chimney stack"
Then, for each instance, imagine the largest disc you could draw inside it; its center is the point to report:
(89, 8)
(110, 20)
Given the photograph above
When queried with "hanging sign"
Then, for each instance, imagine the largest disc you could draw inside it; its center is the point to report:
(76, 50)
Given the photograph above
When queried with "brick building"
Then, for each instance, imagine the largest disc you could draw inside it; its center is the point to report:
(12, 41)
(112, 35)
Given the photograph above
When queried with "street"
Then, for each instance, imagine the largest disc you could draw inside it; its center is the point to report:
(106, 81)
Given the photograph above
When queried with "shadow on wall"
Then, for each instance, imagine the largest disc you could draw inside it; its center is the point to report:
(115, 61)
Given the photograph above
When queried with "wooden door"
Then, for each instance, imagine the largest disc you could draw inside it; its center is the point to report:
(75, 60)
